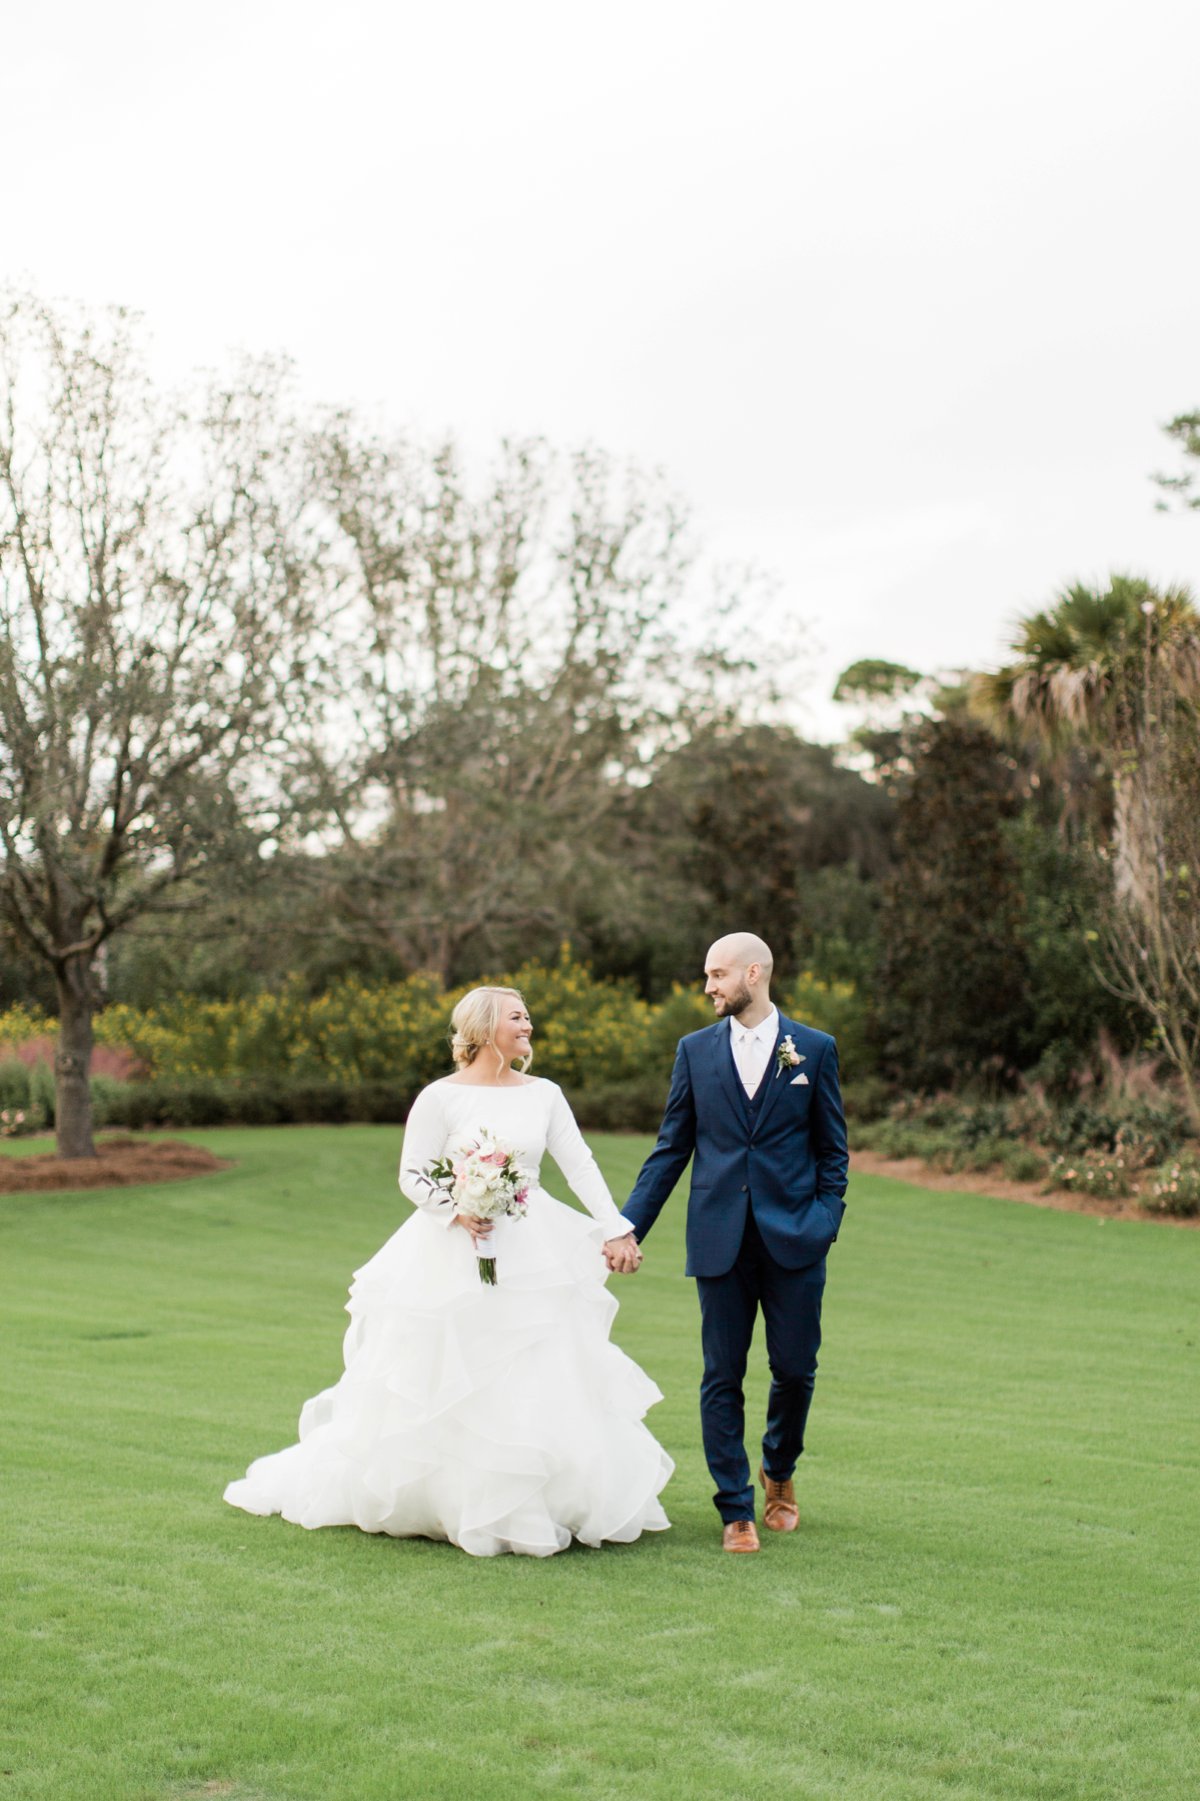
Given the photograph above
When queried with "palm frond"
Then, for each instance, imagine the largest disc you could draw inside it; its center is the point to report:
(1070, 657)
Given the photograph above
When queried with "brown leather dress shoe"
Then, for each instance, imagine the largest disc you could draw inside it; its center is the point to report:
(780, 1513)
(739, 1535)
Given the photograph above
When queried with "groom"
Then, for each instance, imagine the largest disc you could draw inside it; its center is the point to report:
(755, 1100)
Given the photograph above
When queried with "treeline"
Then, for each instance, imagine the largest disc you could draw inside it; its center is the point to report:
(949, 894)
(284, 700)
(739, 823)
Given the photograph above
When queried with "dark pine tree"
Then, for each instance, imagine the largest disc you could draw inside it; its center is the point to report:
(951, 999)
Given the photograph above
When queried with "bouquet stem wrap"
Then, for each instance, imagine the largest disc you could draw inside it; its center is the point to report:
(485, 1253)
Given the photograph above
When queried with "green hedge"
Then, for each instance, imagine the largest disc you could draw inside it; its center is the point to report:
(630, 1106)
(267, 1101)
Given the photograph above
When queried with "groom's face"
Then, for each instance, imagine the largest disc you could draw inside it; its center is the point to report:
(727, 988)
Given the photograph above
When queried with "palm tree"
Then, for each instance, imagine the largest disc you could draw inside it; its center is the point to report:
(1081, 675)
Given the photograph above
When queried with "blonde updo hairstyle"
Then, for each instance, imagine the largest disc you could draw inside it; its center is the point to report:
(473, 1026)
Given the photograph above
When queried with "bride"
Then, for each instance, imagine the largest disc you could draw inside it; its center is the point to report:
(498, 1418)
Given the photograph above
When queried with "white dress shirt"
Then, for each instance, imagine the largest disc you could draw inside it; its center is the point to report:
(752, 1048)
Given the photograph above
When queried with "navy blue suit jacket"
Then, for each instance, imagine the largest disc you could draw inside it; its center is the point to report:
(789, 1160)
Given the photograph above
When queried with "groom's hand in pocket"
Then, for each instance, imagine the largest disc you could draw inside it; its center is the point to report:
(622, 1255)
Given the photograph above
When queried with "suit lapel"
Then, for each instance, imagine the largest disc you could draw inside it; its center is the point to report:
(727, 1075)
(774, 1078)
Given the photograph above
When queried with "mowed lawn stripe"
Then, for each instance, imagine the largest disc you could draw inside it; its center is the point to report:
(990, 1594)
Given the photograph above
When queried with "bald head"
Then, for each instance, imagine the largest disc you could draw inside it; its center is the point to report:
(737, 977)
(738, 950)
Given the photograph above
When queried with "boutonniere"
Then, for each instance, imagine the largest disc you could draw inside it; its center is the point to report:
(786, 1056)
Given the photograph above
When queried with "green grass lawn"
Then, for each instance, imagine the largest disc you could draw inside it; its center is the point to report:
(992, 1593)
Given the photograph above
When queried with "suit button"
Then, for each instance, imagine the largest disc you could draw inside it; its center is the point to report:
(745, 1188)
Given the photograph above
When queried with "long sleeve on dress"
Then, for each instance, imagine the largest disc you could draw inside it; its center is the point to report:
(565, 1143)
(424, 1143)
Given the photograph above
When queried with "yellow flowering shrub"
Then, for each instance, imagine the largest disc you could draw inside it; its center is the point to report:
(398, 1033)
(834, 1007)
(587, 1034)
(351, 1034)
(19, 1024)
(684, 1010)
(585, 1031)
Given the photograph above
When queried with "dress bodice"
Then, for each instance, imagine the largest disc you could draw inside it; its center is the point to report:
(530, 1118)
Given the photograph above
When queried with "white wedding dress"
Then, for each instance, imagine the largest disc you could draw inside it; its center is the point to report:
(501, 1419)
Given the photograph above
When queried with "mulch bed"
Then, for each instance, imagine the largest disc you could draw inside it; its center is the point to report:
(119, 1163)
(1003, 1188)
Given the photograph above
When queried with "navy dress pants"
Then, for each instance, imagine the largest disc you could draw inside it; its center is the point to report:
(791, 1306)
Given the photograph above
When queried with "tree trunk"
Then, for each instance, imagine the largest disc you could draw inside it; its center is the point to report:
(1180, 1043)
(1135, 843)
(1187, 1073)
(73, 1099)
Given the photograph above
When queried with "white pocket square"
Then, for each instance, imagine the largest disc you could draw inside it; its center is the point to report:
(799, 1080)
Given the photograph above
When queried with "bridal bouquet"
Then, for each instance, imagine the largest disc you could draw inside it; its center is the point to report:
(485, 1181)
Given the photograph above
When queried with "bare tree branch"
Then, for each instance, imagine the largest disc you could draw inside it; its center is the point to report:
(158, 591)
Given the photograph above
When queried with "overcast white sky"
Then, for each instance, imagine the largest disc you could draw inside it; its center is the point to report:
(898, 296)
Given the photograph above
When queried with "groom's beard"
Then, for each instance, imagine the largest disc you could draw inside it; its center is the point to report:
(735, 1003)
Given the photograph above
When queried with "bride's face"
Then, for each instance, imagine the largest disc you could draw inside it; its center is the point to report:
(514, 1031)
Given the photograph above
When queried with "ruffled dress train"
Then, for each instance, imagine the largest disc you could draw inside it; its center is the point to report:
(501, 1419)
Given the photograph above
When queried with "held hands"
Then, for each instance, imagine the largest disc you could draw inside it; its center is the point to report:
(623, 1255)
